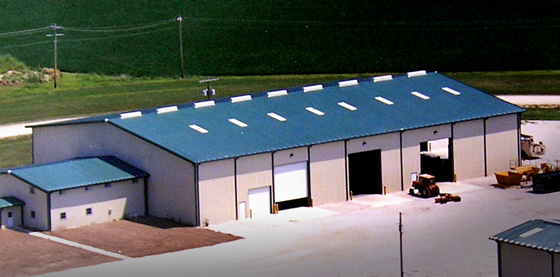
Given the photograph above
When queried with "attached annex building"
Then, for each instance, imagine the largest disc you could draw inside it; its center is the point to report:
(220, 160)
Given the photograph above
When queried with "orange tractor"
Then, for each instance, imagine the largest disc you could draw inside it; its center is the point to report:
(424, 187)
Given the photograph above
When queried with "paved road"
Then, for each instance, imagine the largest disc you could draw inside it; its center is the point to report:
(18, 129)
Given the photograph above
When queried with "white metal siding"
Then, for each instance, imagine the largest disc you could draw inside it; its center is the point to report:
(259, 201)
(520, 261)
(253, 172)
(502, 142)
(468, 149)
(217, 191)
(37, 202)
(328, 174)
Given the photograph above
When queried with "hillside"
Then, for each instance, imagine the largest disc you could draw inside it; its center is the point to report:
(234, 37)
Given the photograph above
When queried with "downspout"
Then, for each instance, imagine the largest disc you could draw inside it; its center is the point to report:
(499, 259)
(451, 150)
(484, 146)
(235, 187)
(196, 196)
(346, 170)
(21, 213)
(518, 139)
(272, 196)
(309, 199)
(551, 263)
(401, 158)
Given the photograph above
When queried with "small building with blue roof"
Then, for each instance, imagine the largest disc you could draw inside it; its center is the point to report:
(529, 249)
(251, 155)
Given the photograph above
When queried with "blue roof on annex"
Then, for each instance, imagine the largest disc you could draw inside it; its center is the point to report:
(76, 173)
(537, 233)
(316, 114)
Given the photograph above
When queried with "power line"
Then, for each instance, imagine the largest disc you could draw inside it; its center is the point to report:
(120, 28)
(118, 36)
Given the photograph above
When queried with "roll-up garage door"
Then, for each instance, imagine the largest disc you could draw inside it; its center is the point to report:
(290, 182)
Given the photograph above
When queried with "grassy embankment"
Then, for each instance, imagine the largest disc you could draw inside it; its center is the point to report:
(87, 94)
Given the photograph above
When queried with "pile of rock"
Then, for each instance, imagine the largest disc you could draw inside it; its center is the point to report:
(14, 77)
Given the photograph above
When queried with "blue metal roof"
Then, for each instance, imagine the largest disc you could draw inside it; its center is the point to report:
(76, 173)
(432, 105)
(539, 234)
(7, 202)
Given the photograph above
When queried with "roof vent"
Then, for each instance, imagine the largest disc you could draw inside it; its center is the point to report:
(312, 88)
(450, 90)
(420, 95)
(276, 116)
(347, 106)
(204, 104)
(130, 114)
(315, 111)
(198, 128)
(243, 98)
(237, 122)
(416, 73)
(530, 232)
(347, 83)
(384, 100)
(277, 93)
(167, 109)
(382, 78)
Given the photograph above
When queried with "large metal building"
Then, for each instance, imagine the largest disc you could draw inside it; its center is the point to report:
(220, 160)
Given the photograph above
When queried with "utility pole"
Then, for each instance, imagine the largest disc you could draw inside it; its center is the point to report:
(400, 242)
(54, 35)
(180, 23)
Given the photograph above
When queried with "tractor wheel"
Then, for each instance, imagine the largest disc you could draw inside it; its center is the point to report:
(425, 192)
(411, 191)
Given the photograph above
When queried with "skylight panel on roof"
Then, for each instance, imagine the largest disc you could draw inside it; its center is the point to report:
(237, 122)
(420, 95)
(277, 93)
(450, 90)
(198, 128)
(243, 98)
(384, 100)
(276, 116)
(416, 73)
(130, 115)
(204, 104)
(348, 83)
(312, 88)
(167, 109)
(347, 106)
(530, 232)
(315, 111)
(382, 78)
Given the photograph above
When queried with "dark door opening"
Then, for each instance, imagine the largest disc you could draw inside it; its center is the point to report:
(365, 172)
(294, 203)
(436, 158)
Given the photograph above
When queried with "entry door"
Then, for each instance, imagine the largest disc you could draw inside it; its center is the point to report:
(259, 201)
(290, 185)
(365, 172)
(10, 222)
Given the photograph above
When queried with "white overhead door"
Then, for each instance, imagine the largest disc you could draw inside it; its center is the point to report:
(290, 182)
(259, 201)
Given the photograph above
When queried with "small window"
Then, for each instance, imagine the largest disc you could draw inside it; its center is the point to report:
(9, 214)
(61, 192)
(86, 188)
(62, 215)
(32, 190)
(89, 211)
(32, 214)
(108, 185)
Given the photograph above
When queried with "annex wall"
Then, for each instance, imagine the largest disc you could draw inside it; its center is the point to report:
(327, 173)
(171, 185)
(35, 212)
(106, 203)
(521, 261)
(502, 143)
(468, 149)
(252, 172)
(217, 191)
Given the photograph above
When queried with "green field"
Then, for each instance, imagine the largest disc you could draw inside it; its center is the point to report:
(254, 37)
